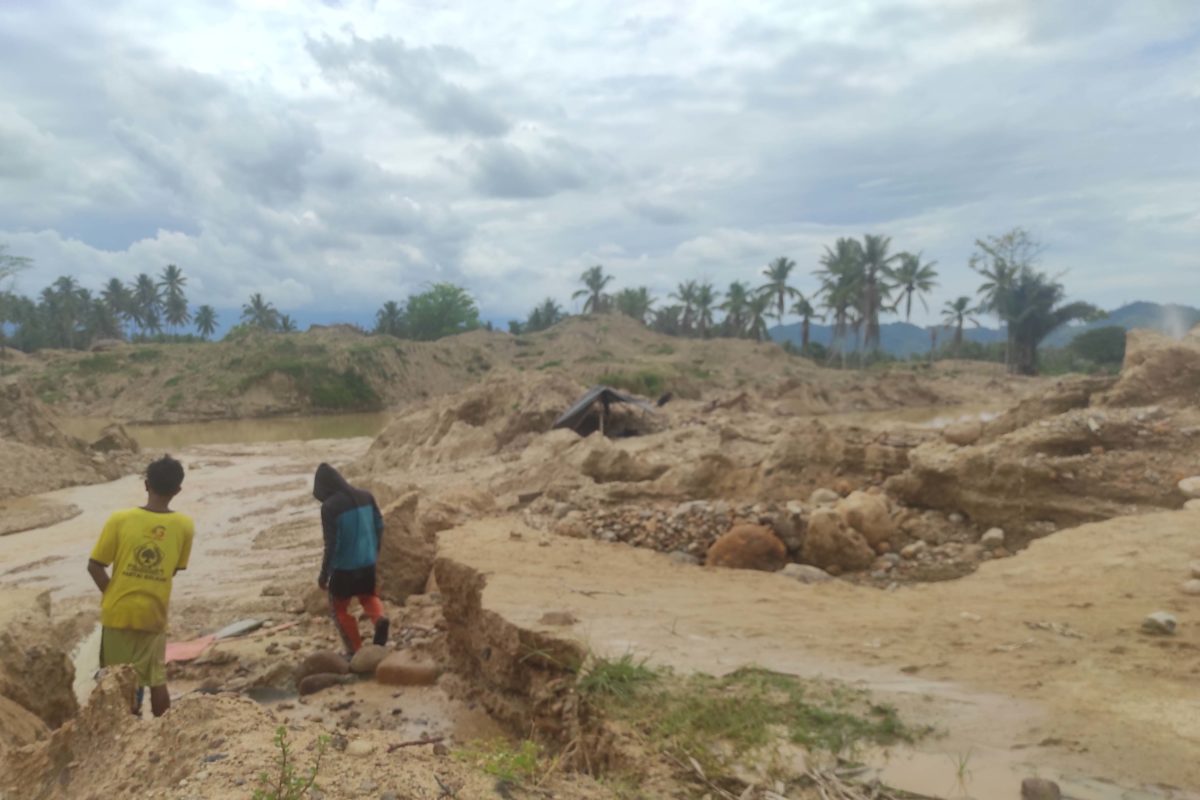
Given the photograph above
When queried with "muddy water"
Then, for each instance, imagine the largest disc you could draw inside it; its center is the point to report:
(174, 436)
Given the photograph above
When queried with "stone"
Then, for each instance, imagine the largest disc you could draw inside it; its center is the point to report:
(993, 538)
(1192, 505)
(316, 602)
(1160, 623)
(609, 464)
(748, 547)
(115, 438)
(1190, 487)
(829, 543)
(367, 659)
(684, 557)
(843, 487)
(789, 527)
(869, 515)
(823, 497)
(401, 669)
(360, 748)
(319, 682)
(1040, 789)
(956, 518)
(558, 618)
(806, 573)
(324, 661)
(1191, 587)
(964, 433)
(913, 550)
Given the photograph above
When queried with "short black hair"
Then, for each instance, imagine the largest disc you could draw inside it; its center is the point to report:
(165, 476)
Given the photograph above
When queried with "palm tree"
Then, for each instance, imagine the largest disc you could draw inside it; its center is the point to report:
(175, 311)
(636, 303)
(116, 296)
(876, 266)
(286, 324)
(686, 294)
(206, 321)
(954, 314)
(757, 311)
(706, 298)
(807, 313)
(389, 319)
(1035, 312)
(841, 289)
(147, 302)
(913, 277)
(668, 320)
(594, 280)
(1000, 260)
(737, 303)
(776, 287)
(259, 313)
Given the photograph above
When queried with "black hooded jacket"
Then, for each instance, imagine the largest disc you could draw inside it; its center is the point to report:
(353, 529)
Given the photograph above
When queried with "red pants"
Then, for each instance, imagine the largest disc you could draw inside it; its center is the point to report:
(347, 625)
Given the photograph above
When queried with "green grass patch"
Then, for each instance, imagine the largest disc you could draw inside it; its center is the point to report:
(551, 364)
(97, 364)
(326, 388)
(173, 381)
(145, 354)
(508, 763)
(644, 382)
(175, 400)
(746, 715)
(661, 350)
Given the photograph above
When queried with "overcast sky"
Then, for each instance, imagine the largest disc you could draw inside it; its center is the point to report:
(333, 155)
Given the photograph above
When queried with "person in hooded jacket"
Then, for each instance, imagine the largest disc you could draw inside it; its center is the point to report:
(353, 529)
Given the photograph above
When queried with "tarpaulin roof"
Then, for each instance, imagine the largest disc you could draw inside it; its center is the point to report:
(573, 416)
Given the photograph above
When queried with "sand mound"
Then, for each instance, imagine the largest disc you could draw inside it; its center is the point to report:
(1157, 369)
(35, 673)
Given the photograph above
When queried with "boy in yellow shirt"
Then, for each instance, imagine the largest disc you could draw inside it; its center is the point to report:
(146, 546)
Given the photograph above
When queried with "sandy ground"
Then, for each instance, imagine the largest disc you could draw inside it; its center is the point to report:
(1033, 665)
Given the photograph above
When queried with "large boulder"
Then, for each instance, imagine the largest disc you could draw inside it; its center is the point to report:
(367, 658)
(869, 515)
(748, 547)
(401, 669)
(831, 543)
(322, 662)
(963, 433)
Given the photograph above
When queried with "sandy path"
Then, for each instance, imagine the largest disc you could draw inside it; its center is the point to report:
(231, 491)
(1112, 704)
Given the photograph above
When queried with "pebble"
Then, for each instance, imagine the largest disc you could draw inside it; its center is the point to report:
(822, 497)
(1040, 789)
(956, 518)
(913, 550)
(360, 748)
(1192, 505)
(1191, 587)
(993, 538)
(1190, 486)
(1160, 623)
(806, 573)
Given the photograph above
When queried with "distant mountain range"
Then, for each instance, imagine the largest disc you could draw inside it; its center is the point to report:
(904, 339)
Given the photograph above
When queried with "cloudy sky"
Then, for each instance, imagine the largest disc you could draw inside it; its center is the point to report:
(333, 155)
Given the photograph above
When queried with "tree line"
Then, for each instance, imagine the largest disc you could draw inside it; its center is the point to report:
(859, 281)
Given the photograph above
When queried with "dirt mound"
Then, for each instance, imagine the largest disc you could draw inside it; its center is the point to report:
(1157, 369)
(1089, 449)
(35, 673)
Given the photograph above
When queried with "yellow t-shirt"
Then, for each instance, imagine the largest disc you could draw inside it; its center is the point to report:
(145, 549)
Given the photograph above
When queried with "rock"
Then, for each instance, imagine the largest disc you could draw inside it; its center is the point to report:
(316, 602)
(1191, 587)
(1160, 623)
(869, 515)
(367, 659)
(956, 518)
(400, 669)
(993, 538)
(609, 464)
(360, 748)
(115, 438)
(789, 527)
(322, 680)
(558, 618)
(1190, 487)
(748, 547)
(823, 497)
(325, 661)
(913, 550)
(806, 573)
(684, 557)
(1192, 505)
(964, 433)
(843, 487)
(1040, 789)
(829, 543)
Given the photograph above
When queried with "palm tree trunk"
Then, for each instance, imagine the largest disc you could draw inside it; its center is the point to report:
(804, 335)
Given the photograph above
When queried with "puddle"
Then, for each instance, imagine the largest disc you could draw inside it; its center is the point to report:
(981, 774)
(174, 436)
(86, 658)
